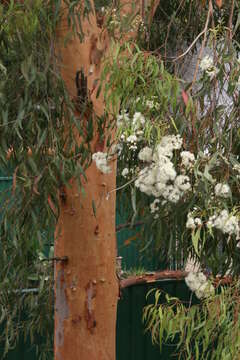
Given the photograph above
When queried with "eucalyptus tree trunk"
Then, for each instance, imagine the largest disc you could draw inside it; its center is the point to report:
(86, 286)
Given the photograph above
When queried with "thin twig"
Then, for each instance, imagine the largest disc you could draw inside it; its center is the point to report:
(121, 187)
(230, 21)
(169, 27)
(127, 225)
(190, 47)
(210, 11)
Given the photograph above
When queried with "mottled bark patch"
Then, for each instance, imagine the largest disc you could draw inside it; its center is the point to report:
(61, 305)
(89, 306)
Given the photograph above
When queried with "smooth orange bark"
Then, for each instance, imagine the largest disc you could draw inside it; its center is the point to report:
(86, 286)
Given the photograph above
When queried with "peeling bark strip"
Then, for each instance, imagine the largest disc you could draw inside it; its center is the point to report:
(61, 307)
(89, 306)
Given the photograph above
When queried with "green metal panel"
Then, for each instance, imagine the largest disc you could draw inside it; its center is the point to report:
(129, 249)
(132, 342)
(23, 351)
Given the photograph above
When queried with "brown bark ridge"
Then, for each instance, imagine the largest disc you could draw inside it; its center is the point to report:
(86, 286)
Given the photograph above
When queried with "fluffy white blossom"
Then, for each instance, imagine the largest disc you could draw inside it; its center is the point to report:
(225, 222)
(167, 145)
(198, 283)
(125, 172)
(188, 159)
(236, 167)
(192, 222)
(154, 206)
(133, 147)
(212, 72)
(122, 119)
(131, 139)
(101, 160)
(205, 290)
(159, 178)
(138, 120)
(150, 104)
(171, 194)
(145, 154)
(206, 63)
(182, 182)
(222, 190)
(165, 171)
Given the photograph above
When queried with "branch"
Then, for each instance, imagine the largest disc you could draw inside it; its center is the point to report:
(127, 225)
(153, 277)
(210, 12)
(154, 5)
(230, 25)
(190, 47)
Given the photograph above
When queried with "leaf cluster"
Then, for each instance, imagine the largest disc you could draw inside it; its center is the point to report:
(209, 330)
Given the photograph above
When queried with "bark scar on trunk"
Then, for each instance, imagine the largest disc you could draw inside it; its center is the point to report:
(62, 309)
(91, 293)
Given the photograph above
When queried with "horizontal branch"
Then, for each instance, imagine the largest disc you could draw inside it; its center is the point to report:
(153, 277)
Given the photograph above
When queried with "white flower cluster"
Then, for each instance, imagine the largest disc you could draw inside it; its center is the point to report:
(225, 222)
(125, 172)
(222, 190)
(236, 167)
(132, 128)
(146, 154)
(188, 159)
(101, 160)
(123, 119)
(132, 139)
(138, 120)
(136, 123)
(192, 222)
(159, 178)
(150, 103)
(154, 207)
(206, 65)
(198, 283)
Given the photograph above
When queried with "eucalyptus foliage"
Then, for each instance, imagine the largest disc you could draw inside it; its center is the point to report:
(204, 111)
(41, 150)
(202, 107)
(209, 331)
(43, 146)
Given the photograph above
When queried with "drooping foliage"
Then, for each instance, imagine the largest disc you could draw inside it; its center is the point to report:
(198, 100)
(41, 150)
(188, 120)
(209, 331)
(178, 141)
